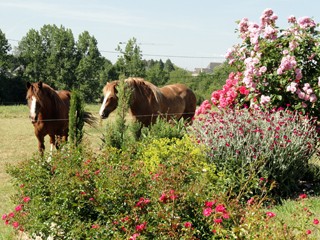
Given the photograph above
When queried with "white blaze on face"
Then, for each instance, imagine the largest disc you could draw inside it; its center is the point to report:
(104, 103)
(33, 107)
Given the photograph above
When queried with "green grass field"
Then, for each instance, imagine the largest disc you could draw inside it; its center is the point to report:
(18, 142)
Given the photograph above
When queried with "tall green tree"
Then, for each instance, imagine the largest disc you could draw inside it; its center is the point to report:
(89, 67)
(168, 66)
(32, 54)
(12, 88)
(157, 74)
(53, 56)
(130, 63)
(4, 49)
(61, 55)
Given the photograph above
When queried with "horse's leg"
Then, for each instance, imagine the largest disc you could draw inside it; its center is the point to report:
(52, 144)
(41, 146)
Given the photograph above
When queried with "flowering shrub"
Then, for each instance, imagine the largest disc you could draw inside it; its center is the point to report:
(116, 195)
(158, 189)
(277, 67)
(276, 145)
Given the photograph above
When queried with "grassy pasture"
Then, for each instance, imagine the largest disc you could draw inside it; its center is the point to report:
(18, 142)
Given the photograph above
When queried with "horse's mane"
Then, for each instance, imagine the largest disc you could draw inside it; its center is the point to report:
(145, 87)
(52, 94)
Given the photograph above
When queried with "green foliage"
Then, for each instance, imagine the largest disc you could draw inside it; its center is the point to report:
(157, 74)
(89, 67)
(82, 195)
(130, 63)
(276, 146)
(159, 188)
(4, 49)
(76, 118)
(163, 129)
(119, 134)
(53, 56)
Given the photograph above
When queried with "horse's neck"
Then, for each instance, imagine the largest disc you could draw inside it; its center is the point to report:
(50, 110)
(144, 101)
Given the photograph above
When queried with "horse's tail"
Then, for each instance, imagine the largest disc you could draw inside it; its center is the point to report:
(90, 119)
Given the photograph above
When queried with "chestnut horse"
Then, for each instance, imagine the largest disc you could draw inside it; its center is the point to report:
(148, 101)
(49, 112)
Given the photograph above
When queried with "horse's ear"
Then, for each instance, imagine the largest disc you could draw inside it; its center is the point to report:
(39, 84)
(28, 85)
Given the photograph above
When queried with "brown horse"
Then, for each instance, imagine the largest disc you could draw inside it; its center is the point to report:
(148, 101)
(49, 112)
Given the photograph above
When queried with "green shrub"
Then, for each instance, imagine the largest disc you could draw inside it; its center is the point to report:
(80, 195)
(163, 129)
(243, 143)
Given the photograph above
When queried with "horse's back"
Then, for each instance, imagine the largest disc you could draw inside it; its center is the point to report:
(179, 100)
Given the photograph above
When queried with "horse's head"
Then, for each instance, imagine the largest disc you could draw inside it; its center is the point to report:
(110, 100)
(34, 94)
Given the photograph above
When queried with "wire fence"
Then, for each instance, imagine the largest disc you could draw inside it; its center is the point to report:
(140, 115)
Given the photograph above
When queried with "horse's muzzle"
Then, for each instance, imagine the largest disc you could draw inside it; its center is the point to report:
(104, 115)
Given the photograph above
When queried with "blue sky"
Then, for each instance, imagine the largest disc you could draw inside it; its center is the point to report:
(190, 33)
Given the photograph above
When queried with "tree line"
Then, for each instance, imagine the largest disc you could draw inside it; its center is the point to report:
(54, 56)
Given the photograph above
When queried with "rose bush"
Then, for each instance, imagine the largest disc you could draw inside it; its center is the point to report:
(276, 67)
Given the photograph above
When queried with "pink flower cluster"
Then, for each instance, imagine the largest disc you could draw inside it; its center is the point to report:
(253, 31)
(219, 211)
(165, 197)
(9, 218)
(306, 93)
(142, 202)
(204, 108)
(287, 63)
(306, 22)
(226, 97)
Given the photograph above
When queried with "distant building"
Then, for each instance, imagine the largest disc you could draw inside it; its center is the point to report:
(208, 69)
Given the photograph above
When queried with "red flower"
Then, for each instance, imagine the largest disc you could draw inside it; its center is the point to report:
(250, 201)
(125, 219)
(270, 214)
(243, 90)
(18, 208)
(218, 220)
(303, 195)
(4, 216)
(207, 212)
(315, 221)
(220, 208)
(141, 227)
(134, 236)
(226, 216)
(95, 226)
(172, 195)
(188, 224)
(15, 224)
(163, 198)
(142, 202)
(308, 232)
(210, 204)
(26, 199)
